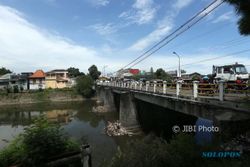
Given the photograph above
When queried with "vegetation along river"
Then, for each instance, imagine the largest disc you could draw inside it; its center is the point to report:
(77, 119)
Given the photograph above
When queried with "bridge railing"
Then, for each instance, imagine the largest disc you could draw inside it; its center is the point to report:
(193, 90)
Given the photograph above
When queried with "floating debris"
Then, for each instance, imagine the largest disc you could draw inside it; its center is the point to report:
(116, 129)
(100, 109)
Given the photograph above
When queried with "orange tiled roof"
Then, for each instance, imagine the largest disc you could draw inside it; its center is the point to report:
(38, 74)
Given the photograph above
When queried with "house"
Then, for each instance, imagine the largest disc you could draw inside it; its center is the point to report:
(5, 81)
(11, 80)
(191, 77)
(23, 80)
(37, 80)
(57, 79)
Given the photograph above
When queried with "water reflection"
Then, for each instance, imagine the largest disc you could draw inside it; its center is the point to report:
(76, 118)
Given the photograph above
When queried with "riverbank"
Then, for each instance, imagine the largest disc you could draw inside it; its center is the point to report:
(40, 97)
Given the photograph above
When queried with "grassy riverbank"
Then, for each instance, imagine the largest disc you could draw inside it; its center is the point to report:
(48, 95)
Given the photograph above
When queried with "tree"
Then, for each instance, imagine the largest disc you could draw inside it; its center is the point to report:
(152, 76)
(3, 71)
(242, 8)
(84, 86)
(74, 72)
(161, 74)
(93, 72)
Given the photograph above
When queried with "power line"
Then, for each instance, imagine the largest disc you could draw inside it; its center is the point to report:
(214, 58)
(165, 38)
(176, 35)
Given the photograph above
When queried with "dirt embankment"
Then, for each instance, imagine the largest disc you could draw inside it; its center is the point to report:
(38, 97)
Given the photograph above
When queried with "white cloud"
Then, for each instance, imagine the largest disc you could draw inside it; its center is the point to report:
(228, 16)
(164, 26)
(99, 3)
(25, 47)
(179, 4)
(104, 29)
(142, 12)
(162, 29)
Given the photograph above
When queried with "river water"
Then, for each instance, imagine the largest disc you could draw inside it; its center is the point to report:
(75, 117)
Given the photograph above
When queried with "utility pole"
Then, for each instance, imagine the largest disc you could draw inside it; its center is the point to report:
(179, 68)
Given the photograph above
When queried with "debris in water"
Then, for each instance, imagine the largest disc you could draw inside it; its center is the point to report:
(116, 129)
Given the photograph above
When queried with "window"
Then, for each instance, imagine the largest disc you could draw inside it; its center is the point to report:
(241, 70)
(219, 70)
(226, 70)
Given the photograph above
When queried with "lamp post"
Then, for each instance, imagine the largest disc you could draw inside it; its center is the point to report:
(104, 67)
(179, 69)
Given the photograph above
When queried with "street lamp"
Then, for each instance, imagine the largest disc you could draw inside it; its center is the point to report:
(104, 67)
(179, 69)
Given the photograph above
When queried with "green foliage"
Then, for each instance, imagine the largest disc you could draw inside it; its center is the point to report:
(93, 72)
(75, 72)
(84, 86)
(15, 89)
(39, 142)
(181, 151)
(4, 71)
(161, 74)
(242, 8)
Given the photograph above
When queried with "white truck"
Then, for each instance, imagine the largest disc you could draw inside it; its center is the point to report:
(230, 73)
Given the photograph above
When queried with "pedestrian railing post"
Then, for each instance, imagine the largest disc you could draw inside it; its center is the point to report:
(140, 85)
(221, 90)
(147, 85)
(164, 87)
(155, 84)
(135, 85)
(195, 89)
(178, 86)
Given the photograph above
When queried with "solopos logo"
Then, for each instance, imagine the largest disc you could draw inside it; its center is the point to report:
(221, 154)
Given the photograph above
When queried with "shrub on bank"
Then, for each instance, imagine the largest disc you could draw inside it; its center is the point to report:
(84, 86)
(181, 151)
(39, 142)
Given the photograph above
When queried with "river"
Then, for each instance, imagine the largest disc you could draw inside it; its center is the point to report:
(75, 117)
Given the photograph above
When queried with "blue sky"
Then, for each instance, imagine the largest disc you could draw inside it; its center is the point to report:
(49, 34)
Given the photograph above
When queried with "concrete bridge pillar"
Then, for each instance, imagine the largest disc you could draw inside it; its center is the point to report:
(147, 85)
(195, 89)
(164, 87)
(155, 84)
(108, 99)
(127, 111)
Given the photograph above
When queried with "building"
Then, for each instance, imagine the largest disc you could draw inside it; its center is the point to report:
(5, 81)
(127, 73)
(57, 79)
(23, 80)
(37, 80)
(11, 80)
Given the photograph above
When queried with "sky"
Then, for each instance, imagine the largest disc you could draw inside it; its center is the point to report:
(58, 34)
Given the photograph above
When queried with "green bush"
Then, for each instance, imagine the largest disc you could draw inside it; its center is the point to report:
(84, 86)
(39, 142)
(181, 151)
(15, 89)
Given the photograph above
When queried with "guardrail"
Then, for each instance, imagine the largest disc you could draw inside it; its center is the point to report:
(194, 90)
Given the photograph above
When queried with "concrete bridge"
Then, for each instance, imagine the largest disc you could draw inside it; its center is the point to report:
(123, 97)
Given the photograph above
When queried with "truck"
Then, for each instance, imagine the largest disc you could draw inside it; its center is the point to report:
(230, 73)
